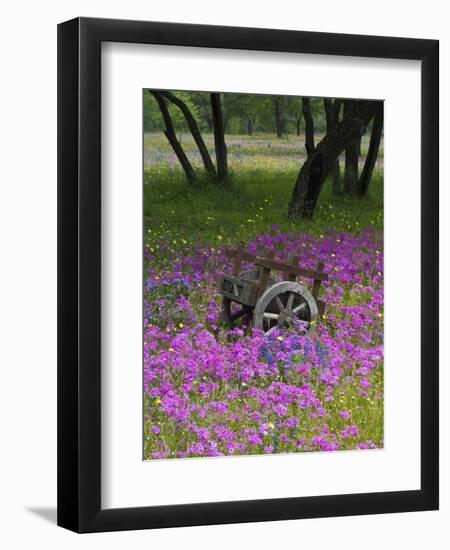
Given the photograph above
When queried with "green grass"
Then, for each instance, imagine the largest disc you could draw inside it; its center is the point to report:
(257, 199)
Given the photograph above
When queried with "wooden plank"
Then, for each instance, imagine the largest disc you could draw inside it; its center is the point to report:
(280, 266)
(291, 260)
(321, 307)
(246, 256)
(317, 282)
(288, 276)
(265, 271)
(247, 291)
(259, 252)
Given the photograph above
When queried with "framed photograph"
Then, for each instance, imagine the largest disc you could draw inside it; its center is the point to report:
(248, 275)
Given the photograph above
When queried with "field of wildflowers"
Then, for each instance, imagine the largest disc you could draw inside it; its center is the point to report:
(211, 391)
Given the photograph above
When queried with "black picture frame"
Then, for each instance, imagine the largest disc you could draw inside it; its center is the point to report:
(79, 274)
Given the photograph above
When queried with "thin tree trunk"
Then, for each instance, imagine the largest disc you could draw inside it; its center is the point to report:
(278, 124)
(314, 171)
(171, 136)
(249, 127)
(332, 118)
(298, 125)
(351, 158)
(309, 126)
(372, 153)
(195, 131)
(219, 137)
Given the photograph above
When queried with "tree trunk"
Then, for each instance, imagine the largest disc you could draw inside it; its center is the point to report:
(337, 109)
(278, 124)
(337, 180)
(219, 137)
(314, 171)
(195, 131)
(298, 125)
(309, 125)
(372, 153)
(332, 118)
(351, 167)
(171, 136)
(351, 158)
(249, 127)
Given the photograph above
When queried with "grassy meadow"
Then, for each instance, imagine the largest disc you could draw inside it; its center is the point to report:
(263, 172)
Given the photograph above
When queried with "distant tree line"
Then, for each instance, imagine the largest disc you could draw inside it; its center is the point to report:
(242, 114)
(342, 121)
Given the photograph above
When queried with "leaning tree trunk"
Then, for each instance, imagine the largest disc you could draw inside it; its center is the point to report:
(351, 158)
(309, 126)
(332, 118)
(314, 171)
(195, 131)
(219, 137)
(372, 153)
(171, 136)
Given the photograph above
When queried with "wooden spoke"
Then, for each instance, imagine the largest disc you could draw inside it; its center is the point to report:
(270, 315)
(279, 303)
(290, 301)
(299, 308)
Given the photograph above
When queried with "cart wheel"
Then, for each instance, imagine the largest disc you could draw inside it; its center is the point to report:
(281, 304)
(234, 313)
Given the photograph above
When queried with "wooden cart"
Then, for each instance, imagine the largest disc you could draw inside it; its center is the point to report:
(256, 297)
